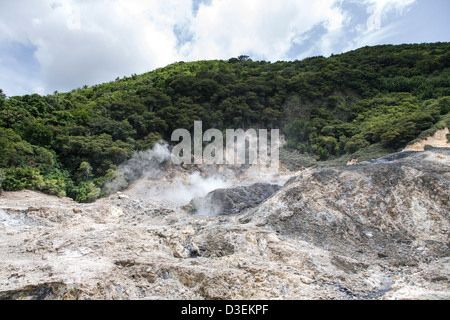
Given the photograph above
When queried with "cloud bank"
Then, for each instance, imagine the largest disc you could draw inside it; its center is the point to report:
(50, 45)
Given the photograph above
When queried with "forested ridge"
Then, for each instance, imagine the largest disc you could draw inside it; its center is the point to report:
(374, 99)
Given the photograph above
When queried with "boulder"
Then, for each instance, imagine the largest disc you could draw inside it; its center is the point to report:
(233, 200)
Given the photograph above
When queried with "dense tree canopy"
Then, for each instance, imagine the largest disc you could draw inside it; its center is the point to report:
(70, 143)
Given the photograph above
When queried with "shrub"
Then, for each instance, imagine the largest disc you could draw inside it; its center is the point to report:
(85, 192)
(20, 178)
(356, 143)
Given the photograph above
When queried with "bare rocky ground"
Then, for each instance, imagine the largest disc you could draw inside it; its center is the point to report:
(438, 140)
(375, 230)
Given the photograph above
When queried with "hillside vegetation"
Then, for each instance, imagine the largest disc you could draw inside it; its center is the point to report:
(374, 98)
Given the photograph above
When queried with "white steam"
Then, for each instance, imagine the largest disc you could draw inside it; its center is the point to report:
(142, 164)
(153, 180)
(183, 190)
(150, 177)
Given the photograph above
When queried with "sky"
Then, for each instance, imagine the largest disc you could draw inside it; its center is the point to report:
(60, 45)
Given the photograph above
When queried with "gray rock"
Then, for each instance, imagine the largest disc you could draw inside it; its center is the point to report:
(393, 208)
(233, 200)
(43, 291)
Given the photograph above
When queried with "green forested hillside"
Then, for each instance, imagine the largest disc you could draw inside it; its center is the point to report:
(375, 97)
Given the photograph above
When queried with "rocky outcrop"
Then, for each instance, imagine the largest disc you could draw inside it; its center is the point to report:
(375, 230)
(440, 139)
(42, 291)
(395, 208)
(232, 200)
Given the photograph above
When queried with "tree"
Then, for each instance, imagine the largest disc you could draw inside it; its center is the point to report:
(84, 172)
(2, 98)
(37, 133)
(85, 192)
(243, 58)
(19, 178)
(356, 143)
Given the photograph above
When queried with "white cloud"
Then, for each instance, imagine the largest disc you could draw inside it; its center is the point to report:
(92, 42)
(86, 42)
(266, 28)
(378, 27)
(378, 9)
(81, 42)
